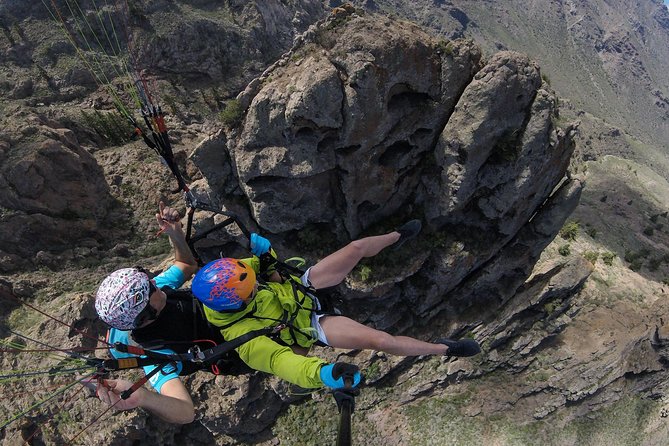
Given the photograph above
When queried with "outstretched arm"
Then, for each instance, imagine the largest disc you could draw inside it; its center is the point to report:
(173, 404)
(169, 221)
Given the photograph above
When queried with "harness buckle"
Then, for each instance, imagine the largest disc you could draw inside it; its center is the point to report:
(196, 353)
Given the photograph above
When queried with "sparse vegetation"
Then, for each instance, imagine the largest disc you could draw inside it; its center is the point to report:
(591, 256)
(110, 126)
(445, 47)
(570, 231)
(654, 263)
(635, 259)
(365, 272)
(545, 78)
(171, 104)
(159, 246)
(607, 258)
(232, 114)
(591, 231)
(372, 372)
(550, 307)
(564, 250)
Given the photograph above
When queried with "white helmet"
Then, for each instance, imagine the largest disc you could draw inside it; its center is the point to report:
(122, 296)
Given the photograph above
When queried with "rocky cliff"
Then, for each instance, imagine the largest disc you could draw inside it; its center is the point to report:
(345, 134)
(363, 121)
(343, 137)
(607, 57)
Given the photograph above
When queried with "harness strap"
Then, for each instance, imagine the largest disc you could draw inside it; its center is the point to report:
(213, 354)
(195, 354)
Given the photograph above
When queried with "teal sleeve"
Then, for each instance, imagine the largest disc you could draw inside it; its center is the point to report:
(168, 373)
(159, 379)
(172, 277)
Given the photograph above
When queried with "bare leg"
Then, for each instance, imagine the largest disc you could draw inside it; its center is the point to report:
(343, 332)
(331, 270)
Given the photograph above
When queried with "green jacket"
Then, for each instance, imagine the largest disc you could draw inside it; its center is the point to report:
(268, 307)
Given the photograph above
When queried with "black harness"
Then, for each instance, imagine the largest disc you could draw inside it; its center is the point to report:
(182, 326)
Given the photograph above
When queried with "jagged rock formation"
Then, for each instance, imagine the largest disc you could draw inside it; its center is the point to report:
(249, 35)
(195, 43)
(605, 56)
(339, 132)
(345, 131)
(42, 199)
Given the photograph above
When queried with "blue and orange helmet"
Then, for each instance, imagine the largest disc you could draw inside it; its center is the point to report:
(224, 284)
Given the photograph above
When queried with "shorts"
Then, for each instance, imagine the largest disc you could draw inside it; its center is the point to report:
(315, 315)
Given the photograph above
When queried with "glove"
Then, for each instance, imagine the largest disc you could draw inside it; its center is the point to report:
(259, 245)
(333, 375)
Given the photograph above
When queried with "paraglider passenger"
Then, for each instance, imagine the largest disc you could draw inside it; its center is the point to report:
(237, 303)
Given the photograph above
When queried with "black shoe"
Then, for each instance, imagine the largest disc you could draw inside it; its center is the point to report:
(407, 231)
(463, 347)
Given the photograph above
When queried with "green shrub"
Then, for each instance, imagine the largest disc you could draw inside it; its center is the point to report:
(654, 263)
(171, 104)
(635, 259)
(545, 78)
(550, 307)
(564, 250)
(592, 232)
(445, 47)
(232, 114)
(373, 371)
(591, 256)
(570, 230)
(109, 125)
(607, 258)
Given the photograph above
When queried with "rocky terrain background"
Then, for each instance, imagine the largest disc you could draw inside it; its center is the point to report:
(545, 214)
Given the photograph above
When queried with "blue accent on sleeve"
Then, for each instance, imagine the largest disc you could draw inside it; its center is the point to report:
(259, 245)
(328, 379)
(168, 373)
(172, 277)
(159, 379)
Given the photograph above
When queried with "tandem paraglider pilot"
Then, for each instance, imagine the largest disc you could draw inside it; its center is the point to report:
(145, 311)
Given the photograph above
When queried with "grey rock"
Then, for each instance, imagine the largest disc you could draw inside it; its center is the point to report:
(376, 119)
(22, 89)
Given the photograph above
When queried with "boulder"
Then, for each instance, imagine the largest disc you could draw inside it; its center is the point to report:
(53, 195)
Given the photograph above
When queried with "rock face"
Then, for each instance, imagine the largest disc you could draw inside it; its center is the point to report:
(248, 36)
(347, 103)
(346, 130)
(52, 196)
(368, 120)
(606, 56)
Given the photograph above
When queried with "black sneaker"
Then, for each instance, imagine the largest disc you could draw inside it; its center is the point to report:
(407, 231)
(463, 347)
